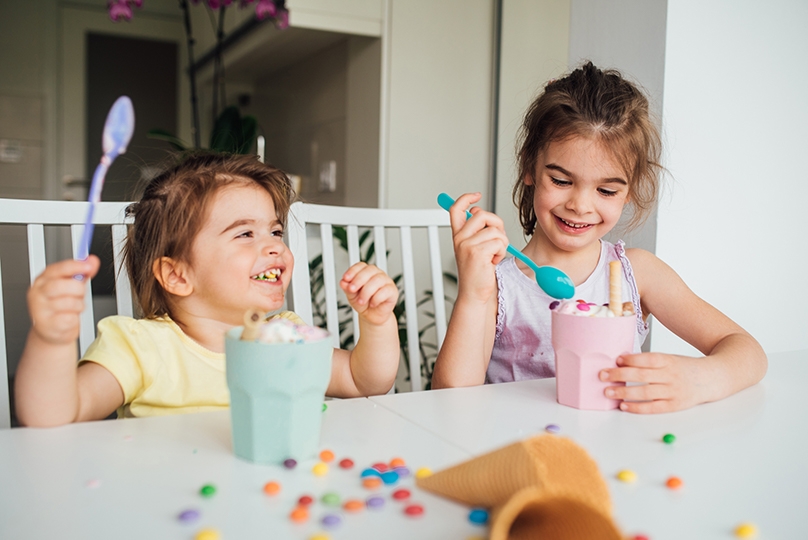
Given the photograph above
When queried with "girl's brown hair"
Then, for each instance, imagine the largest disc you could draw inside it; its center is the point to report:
(599, 105)
(171, 211)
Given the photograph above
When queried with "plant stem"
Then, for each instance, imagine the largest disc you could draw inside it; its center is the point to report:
(218, 68)
(191, 72)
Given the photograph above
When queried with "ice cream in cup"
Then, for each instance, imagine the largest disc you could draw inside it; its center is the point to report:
(277, 378)
(587, 338)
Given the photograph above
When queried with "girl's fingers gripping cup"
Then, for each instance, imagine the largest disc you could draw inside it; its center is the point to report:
(588, 338)
(277, 374)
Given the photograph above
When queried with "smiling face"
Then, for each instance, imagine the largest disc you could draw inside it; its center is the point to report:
(580, 193)
(238, 259)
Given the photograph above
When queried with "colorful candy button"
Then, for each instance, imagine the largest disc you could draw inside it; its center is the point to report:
(330, 499)
(324, 407)
(375, 502)
(552, 428)
(396, 462)
(346, 463)
(423, 472)
(746, 530)
(320, 469)
(290, 463)
(478, 516)
(299, 514)
(627, 476)
(208, 490)
(327, 456)
(331, 520)
(669, 438)
(554, 304)
(353, 505)
(381, 467)
(401, 494)
(674, 482)
(272, 488)
(372, 482)
(320, 536)
(583, 307)
(370, 472)
(389, 477)
(305, 500)
(414, 510)
(403, 472)
(207, 534)
(188, 516)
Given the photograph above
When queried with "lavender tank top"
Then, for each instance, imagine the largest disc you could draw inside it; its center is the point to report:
(522, 347)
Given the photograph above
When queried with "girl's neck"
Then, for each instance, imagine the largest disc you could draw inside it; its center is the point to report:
(578, 264)
(205, 330)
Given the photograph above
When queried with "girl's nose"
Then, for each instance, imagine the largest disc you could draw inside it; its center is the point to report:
(275, 246)
(579, 202)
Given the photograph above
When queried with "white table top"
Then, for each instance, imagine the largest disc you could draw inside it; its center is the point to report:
(742, 459)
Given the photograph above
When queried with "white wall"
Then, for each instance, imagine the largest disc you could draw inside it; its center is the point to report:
(734, 221)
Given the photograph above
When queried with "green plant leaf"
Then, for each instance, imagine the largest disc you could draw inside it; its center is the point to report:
(170, 138)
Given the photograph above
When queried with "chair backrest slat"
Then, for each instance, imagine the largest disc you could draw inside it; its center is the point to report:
(87, 323)
(380, 248)
(436, 269)
(353, 258)
(298, 295)
(36, 250)
(410, 308)
(5, 404)
(330, 282)
(123, 296)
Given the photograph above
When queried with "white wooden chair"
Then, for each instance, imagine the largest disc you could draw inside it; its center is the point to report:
(35, 215)
(378, 221)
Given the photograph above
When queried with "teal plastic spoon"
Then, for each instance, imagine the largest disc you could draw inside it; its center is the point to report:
(552, 280)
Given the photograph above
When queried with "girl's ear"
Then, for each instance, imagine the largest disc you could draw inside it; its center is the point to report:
(172, 276)
(528, 179)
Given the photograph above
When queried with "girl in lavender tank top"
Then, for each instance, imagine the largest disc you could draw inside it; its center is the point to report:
(588, 149)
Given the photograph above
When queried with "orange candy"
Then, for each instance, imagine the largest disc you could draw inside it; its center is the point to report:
(353, 505)
(396, 462)
(674, 482)
(299, 514)
(327, 456)
(372, 482)
(272, 488)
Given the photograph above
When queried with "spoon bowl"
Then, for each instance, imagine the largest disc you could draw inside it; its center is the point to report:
(551, 280)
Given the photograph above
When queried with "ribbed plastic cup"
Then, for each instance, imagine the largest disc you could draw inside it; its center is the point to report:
(276, 397)
(584, 346)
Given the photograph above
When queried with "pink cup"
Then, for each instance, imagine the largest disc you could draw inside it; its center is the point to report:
(584, 346)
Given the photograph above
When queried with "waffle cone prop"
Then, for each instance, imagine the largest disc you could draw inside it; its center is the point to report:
(541, 486)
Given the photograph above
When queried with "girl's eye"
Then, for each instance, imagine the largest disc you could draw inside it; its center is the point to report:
(560, 182)
(278, 233)
(245, 234)
(607, 192)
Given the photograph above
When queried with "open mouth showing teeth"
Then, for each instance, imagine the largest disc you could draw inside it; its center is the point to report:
(270, 275)
(574, 225)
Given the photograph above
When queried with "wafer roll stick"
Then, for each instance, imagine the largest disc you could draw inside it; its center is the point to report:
(252, 324)
(615, 284)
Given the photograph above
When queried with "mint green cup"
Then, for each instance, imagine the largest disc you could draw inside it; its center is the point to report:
(276, 397)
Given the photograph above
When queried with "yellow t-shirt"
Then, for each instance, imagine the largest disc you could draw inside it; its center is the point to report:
(160, 369)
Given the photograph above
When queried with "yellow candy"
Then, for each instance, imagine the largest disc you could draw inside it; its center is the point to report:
(320, 469)
(627, 476)
(320, 536)
(746, 530)
(207, 534)
(423, 472)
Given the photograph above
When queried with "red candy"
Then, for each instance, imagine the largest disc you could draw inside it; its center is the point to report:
(305, 500)
(346, 463)
(381, 467)
(401, 494)
(414, 510)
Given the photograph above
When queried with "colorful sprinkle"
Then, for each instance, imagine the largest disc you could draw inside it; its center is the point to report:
(669, 438)
(478, 516)
(327, 456)
(346, 463)
(627, 476)
(746, 530)
(552, 428)
(674, 482)
(401, 494)
(554, 304)
(374, 502)
(320, 469)
(353, 505)
(272, 488)
(331, 520)
(583, 307)
(208, 490)
(188, 516)
(423, 472)
(290, 463)
(414, 510)
(299, 514)
(305, 500)
(207, 534)
(324, 407)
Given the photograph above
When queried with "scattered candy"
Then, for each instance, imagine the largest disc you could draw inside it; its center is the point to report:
(401, 494)
(207, 534)
(208, 490)
(188, 516)
(669, 438)
(374, 502)
(272, 488)
(627, 476)
(674, 482)
(403, 472)
(552, 428)
(331, 520)
(414, 510)
(320, 469)
(423, 472)
(330, 499)
(346, 463)
(327, 456)
(92, 484)
(290, 463)
(299, 514)
(324, 407)
(639, 537)
(381, 467)
(389, 477)
(370, 472)
(319, 536)
(305, 500)
(372, 482)
(396, 462)
(554, 304)
(353, 505)
(478, 516)
(746, 530)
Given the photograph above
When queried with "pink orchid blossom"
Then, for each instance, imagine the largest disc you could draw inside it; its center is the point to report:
(119, 10)
(264, 9)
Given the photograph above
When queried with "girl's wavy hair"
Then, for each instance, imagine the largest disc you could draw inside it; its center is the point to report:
(600, 105)
(173, 207)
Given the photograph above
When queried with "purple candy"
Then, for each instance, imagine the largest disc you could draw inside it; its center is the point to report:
(290, 463)
(188, 516)
(552, 428)
(375, 502)
(331, 520)
(554, 304)
(403, 472)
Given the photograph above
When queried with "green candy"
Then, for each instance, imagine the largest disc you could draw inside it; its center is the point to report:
(324, 407)
(669, 438)
(330, 499)
(207, 490)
